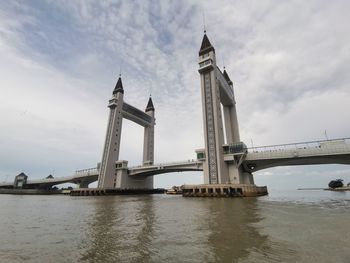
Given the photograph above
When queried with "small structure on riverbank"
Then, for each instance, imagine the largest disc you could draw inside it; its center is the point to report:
(20, 181)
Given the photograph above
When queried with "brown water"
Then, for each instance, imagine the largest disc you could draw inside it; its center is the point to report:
(283, 227)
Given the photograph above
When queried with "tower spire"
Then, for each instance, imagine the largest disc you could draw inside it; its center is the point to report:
(206, 46)
(119, 86)
(150, 106)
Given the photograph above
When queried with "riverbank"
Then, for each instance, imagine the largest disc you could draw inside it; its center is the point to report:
(339, 189)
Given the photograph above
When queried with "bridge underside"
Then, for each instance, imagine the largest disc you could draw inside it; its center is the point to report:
(156, 172)
(81, 183)
(82, 180)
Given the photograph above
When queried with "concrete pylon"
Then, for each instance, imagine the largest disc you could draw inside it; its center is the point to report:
(230, 116)
(217, 90)
(215, 170)
(148, 142)
(107, 174)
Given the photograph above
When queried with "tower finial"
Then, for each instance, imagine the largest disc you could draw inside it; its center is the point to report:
(206, 46)
(120, 71)
(118, 86)
(150, 89)
(204, 26)
(149, 106)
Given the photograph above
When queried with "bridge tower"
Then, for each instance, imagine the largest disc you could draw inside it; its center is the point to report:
(215, 171)
(112, 142)
(217, 90)
(148, 142)
(113, 173)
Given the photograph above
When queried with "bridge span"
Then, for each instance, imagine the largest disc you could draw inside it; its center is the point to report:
(82, 178)
(150, 170)
(306, 153)
(251, 159)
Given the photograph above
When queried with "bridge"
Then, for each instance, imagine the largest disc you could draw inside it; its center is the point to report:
(336, 151)
(82, 178)
(225, 159)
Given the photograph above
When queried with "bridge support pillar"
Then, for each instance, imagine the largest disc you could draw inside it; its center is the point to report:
(247, 178)
(234, 174)
(124, 181)
(83, 184)
(238, 176)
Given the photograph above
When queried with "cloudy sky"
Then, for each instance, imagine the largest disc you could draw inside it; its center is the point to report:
(60, 60)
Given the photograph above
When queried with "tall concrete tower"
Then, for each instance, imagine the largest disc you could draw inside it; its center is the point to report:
(107, 176)
(217, 91)
(215, 170)
(148, 143)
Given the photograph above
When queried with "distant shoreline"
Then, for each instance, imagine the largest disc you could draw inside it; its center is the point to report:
(311, 188)
(338, 189)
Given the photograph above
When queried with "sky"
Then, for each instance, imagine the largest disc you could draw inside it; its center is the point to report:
(60, 60)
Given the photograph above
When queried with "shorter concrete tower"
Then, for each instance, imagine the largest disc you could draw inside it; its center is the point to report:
(107, 176)
(148, 143)
(113, 173)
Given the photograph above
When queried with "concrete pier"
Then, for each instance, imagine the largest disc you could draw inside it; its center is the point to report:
(223, 190)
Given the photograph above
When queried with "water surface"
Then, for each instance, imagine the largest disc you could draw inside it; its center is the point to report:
(295, 226)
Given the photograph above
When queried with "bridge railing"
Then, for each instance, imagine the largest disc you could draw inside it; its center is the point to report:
(193, 161)
(336, 146)
(86, 171)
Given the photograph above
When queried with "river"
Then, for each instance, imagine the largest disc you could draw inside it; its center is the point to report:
(288, 226)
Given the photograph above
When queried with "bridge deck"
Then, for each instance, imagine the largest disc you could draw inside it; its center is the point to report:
(308, 153)
(257, 158)
(189, 165)
(91, 174)
(305, 149)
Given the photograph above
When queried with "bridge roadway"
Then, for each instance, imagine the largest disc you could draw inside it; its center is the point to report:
(82, 178)
(86, 176)
(253, 159)
(306, 153)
